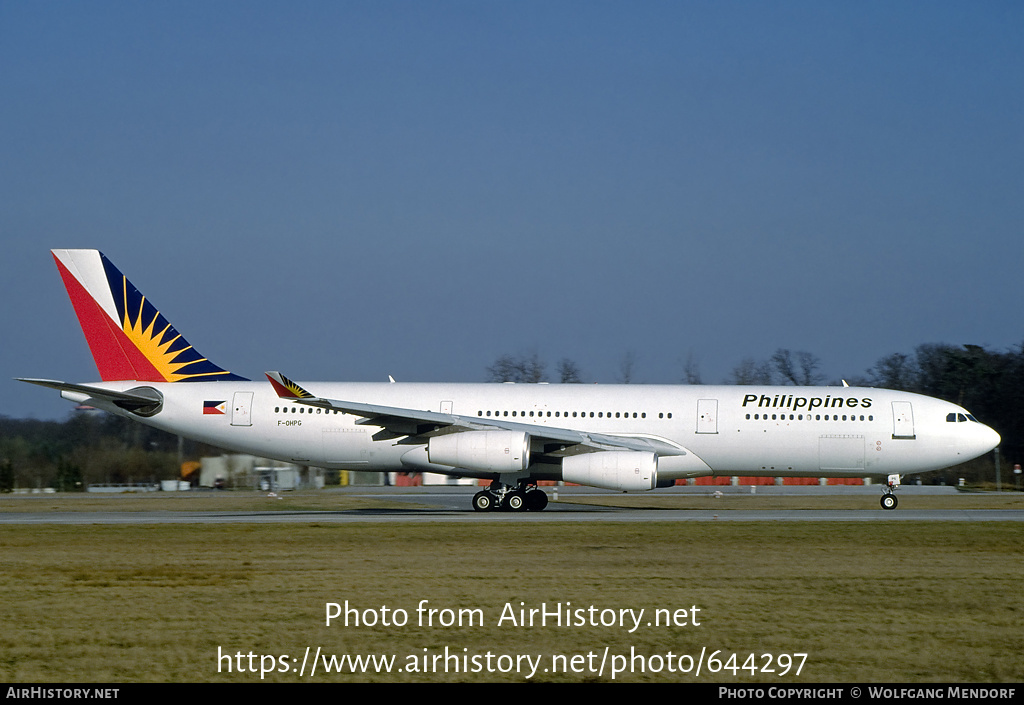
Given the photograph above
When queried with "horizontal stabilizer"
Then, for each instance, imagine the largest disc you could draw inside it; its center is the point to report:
(141, 400)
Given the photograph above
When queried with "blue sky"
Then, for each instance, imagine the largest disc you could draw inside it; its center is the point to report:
(350, 190)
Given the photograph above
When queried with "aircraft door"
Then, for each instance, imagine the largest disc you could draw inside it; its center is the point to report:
(241, 409)
(903, 420)
(707, 416)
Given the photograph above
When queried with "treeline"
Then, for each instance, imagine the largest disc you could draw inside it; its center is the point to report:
(90, 447)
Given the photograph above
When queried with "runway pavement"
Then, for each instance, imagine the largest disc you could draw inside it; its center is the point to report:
(452, 504)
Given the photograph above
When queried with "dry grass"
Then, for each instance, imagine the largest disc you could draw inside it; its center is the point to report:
(866, 602)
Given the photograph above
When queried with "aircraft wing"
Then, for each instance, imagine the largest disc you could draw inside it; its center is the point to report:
(413, 422)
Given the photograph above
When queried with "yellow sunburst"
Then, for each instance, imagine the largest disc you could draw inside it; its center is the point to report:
(148, 341)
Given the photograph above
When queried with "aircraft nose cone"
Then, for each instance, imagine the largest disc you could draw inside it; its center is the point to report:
(977, 441)
(981, 440)
(992, 439)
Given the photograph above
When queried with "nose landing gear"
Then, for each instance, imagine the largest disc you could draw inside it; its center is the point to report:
(889, 500)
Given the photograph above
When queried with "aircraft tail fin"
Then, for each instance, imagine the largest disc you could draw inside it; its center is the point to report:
(128, 337)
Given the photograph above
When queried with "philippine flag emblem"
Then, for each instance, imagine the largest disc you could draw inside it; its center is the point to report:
(218, 408)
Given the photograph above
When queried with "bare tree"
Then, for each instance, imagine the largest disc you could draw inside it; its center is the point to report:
(750, 372)
(569, 372)
(896, 371)
(626, 368)
(783, 361)
(809, 365)
(801, 372)
(517, 368)
(691, 369)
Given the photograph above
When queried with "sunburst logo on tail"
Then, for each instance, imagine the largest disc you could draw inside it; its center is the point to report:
(158, 341)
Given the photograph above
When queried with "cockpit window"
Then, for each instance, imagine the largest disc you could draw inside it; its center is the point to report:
(954, 417)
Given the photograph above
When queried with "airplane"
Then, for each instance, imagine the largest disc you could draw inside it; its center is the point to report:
(618, 437)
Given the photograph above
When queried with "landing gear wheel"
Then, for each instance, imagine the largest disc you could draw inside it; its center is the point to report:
(889, 501)
(536, 500)
(483, 501)
(514, 501)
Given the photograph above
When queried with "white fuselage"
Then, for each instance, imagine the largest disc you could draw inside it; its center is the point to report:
(724, 430)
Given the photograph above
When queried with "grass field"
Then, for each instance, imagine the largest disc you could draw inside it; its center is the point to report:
(903, 602)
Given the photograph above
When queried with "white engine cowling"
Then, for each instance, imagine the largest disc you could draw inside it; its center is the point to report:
(497, 451)
(612, 470)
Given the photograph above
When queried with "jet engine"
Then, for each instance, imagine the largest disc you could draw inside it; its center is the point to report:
(612, 469)
(497, 451)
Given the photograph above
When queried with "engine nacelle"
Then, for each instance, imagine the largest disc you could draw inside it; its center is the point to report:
(612, 469)
(492, 451)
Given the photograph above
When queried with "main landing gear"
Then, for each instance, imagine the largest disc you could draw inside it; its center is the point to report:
(521, 498)
(889, 500)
